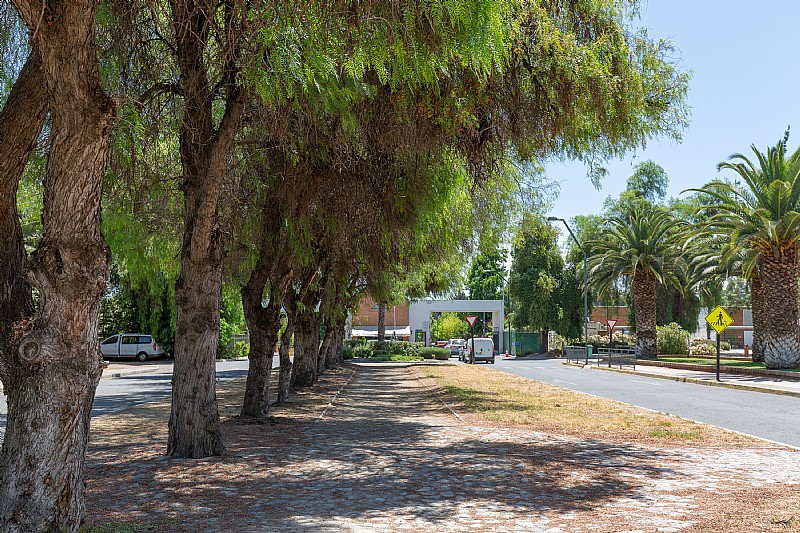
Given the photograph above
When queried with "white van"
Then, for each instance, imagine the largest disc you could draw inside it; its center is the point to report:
(479, 349)
(137, 345)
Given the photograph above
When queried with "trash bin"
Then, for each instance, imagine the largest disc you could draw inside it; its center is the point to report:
(589, 352)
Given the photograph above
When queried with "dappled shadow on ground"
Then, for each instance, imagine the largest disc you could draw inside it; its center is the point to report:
(386, 451)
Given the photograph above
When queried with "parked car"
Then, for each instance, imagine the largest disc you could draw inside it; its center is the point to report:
(138, 345)
(456, 346)
(479, 349)
(440, 344)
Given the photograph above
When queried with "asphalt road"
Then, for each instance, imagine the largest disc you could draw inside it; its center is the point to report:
(764, 415)
(121, 393)
(118, 394)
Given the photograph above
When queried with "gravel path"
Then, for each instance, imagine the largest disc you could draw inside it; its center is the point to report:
(388, 456)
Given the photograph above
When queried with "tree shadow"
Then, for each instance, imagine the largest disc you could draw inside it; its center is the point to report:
(385, 449)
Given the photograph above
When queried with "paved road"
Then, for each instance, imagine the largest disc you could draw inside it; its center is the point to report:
(121, 393)
(764, 415)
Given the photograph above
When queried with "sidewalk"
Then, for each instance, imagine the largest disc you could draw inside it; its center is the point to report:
(114, 369)
(379, 451)
(768, 384)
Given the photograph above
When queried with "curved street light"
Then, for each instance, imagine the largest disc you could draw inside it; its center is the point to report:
(585, 288)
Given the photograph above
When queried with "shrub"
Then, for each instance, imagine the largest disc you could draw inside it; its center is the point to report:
(363, 349)
(224, 351)
(412, 348)
(240, 350)
(396, 347)
(703, 347)
(431, 352)
(672, 339)
(724, 346)
(442, 354)
(347, 351)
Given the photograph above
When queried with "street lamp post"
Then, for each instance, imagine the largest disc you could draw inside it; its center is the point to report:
(505, 318)
(585, 287)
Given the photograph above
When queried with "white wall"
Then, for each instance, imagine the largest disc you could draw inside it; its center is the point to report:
(419, 313)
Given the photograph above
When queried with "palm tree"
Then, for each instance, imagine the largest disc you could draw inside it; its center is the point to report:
(641, 245)
(763, 216)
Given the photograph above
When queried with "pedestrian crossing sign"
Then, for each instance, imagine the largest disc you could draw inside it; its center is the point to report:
(719, 319)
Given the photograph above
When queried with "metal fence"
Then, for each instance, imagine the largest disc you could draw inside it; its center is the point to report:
(617, 356)
(574, 353)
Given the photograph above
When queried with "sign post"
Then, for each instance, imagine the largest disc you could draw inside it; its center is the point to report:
(719, 319)
(471, 321)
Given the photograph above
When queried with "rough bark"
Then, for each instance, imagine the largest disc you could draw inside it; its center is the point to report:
(644, 303)
(21, 121)
(779, 272)
(263, 323)
(53, 365)
(759, 324)
(327, 346)
(194, 430)
(381, 323)
(334, 357)
(306, 349)
(285, 375)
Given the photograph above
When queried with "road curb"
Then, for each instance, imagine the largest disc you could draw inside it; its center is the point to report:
(724, 384)
(124, 373)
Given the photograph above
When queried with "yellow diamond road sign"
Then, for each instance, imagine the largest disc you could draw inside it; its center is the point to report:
(719, 319)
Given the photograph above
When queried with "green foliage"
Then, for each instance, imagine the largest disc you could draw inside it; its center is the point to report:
(143, 308)
(765, 212)
(702, 347)
(672, 339)
(649, 181)
(410, 349)
(347, 352)
(570, 298)
(449, 326)
(735, 293)
(645, 240)
(674, 304)
(363, 349)
(231, 319)
(603, 341)
(431, 352)
(536, 272)
(485, 278)
(237, 350)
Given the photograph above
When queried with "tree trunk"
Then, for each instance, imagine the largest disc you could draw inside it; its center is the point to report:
(53, 364)
(194, 430)
(759, 324)
(327, 347)
(545, 340)
(644, 303)
(381, 324)
(263, 323)
(284, 378)
(333, 357)
(21, 121)
(779, 271)
(306, 349)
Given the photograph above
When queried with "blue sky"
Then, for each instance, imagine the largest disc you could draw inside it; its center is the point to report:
(745, 90)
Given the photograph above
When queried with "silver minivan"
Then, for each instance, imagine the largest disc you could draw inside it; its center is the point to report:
(138, 345)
